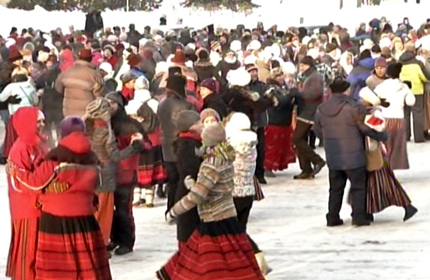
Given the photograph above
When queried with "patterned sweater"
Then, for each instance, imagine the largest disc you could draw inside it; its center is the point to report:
(212, 192)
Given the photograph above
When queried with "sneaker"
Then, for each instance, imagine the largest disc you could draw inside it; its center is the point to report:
(123, 250)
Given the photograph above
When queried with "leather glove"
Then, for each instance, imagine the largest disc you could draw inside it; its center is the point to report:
(384, 103)
(189, 182)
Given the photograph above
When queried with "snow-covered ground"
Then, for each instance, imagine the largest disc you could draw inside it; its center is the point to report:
(285, 14)
(289, 225)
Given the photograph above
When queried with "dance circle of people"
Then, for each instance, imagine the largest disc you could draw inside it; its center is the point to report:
(99, 123)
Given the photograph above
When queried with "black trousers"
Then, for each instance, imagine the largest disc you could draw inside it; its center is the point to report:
(305, 153)
(243, 209)
(337, 180)
(417, 112)
(172, 182)
(123, 227)
(259, 169)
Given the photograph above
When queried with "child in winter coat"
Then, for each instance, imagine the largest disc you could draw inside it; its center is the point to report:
(244, 142)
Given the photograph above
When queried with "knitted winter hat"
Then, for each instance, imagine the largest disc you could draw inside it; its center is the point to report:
(98, 109)
(186, 120)
(115, 96)
(339, 85)
(128, 77)
(237, 122)
(213, 135)
(380, 62)
(239, 77)
(209, 84)
(71, 124)
(209, 112)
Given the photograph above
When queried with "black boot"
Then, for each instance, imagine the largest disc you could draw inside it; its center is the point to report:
(123, 250)
(333, 222)
(160, 192)
(360, 222)
(318, 167)
(410, 211)
(112, 246)
(303, 176)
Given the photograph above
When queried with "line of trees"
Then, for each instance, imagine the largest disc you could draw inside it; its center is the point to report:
(135, 5)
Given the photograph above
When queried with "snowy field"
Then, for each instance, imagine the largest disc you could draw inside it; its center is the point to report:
(271, 12)
(289, 225)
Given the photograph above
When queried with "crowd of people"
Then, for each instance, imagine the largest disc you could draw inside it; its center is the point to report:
(100, 122)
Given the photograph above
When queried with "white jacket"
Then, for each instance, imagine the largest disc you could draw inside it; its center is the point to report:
(398, 94)
(23, 90)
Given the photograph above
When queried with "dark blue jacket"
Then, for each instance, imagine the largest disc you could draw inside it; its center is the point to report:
(340, 123)
(359, 74)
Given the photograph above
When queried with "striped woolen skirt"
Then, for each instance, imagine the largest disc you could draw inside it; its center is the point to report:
(22, 252)
(151, 169)
(71, 248)
(396, 144)
(384, 190)
(216, 250)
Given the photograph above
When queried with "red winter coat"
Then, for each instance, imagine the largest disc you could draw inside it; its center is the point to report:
(72, 169)
(26, 153)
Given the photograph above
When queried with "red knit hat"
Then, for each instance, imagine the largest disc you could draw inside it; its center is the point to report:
(133, 59)
(179, 57)
(380, 62)
(85, 54)
(209, 84)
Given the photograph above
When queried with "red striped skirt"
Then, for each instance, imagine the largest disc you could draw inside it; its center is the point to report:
(151, 169)
(216, 250)
(396, 144)
(71, 248)
(279, 151)
(384, 190)
(10, 137)
(22, 253)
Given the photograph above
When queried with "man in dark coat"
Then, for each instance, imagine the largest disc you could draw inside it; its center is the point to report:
(340, 122)
(93, 22)
(308, 99)
(168, 113)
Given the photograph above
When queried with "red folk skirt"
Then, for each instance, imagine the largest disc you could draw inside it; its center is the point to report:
(104, 214)
(216, 250)
(10, 137)
(151, 169)
(279, 151)
(22, 252)
(71, 248)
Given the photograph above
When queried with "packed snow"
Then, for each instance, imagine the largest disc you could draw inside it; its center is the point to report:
(289, 225)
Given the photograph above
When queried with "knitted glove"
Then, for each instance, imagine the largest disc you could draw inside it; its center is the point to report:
(169, 217)
(189, 182)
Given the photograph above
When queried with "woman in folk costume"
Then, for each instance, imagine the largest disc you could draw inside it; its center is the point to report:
(397, 95)
(383, 188)
(151, 171)
(189, 141)
(278, 146)
(70, 243)
(26, 153)
(219, 248)
(103, 143)
(244, 142)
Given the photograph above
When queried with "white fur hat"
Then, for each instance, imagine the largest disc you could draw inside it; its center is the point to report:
(289, 68)
(192, 46)
(161, 67)
(141, 83)
(369, 96)
(385, 42)
(314, 53)
(239, 77)
(112, 39)
(306, 40)
(238, 121)
(42, 56)
(250, 59)
(142, 42)
(236, 46)
(107, 67)
(254, 46)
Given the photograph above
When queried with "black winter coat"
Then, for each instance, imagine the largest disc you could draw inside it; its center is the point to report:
(204, 70)
(282, 114)
(215, 101)
(52, 101)
(262, 119)
(185, 149)
(93, 22)
(340, 122)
